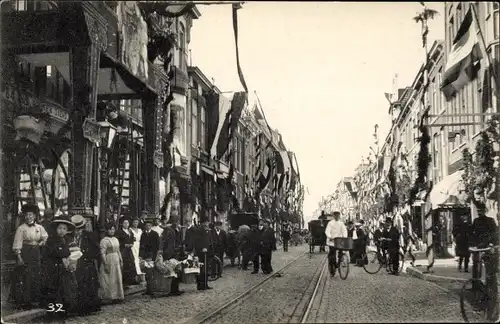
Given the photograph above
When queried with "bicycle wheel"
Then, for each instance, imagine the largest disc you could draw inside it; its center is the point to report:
(215, 269)
(473, 301)
(343, 267)
(372, 265)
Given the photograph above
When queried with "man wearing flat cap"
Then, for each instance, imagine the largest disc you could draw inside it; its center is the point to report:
(28, 239)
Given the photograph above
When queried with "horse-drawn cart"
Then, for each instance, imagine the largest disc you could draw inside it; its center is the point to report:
(317, 236)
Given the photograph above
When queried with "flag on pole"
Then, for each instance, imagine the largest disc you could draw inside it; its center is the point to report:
(237, 6)
(461, 65)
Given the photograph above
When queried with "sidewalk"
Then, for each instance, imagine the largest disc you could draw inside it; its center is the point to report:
(12, 315)
(444, 270)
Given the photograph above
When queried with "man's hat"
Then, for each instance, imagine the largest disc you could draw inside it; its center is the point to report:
(63, 220)
(150, 220)
(218, 223)
(78, 221)
(388, 220)
(29, 207)
(48, 212)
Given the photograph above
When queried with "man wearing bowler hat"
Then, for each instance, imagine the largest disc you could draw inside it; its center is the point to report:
(219, 237)
(265, 243)
(148, 247)
(202, 247)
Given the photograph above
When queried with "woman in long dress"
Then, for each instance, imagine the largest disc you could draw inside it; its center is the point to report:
(28, 240)
(86, 269)
(137, 243)
(126, 238)
(110, 272)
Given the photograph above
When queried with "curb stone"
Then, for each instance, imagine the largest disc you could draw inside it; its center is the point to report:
(30, 315)
(414, 272)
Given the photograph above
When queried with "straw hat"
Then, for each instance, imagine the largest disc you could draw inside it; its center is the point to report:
(63, 220)
(78, 221)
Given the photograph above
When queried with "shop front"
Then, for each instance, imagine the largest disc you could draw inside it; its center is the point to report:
(447, 199)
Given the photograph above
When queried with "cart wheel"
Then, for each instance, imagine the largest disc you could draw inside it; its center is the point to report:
(343, 266)
(372, 264)
(215, 269)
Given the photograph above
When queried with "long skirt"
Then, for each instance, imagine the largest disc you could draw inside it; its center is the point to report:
(88, 287)
(27, 278)
(129, 270)
(61, 289)
(111, 286)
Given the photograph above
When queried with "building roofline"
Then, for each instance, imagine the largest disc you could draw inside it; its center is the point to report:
(197, 71)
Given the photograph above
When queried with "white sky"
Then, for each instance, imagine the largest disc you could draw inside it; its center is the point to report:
(320, 70)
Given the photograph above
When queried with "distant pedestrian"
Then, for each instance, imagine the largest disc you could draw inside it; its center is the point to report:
(127, 239)
(202, 247)
(286, 235)
(245, 243)
(463, 235)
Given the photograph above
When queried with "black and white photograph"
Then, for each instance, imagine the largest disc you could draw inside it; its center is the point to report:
(205, 162)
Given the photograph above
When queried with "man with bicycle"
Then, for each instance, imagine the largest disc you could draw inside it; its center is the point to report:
(335, 228)
(392, 235)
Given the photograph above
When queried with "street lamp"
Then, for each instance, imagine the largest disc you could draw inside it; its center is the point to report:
(108, 133)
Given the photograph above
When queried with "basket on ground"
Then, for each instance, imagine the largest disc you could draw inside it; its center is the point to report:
(157, 283)
(343, 243)
(188, 275)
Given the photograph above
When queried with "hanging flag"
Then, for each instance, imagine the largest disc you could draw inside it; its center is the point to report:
(265, 176)
(461, 65)
(222, 104)
(237, 6)
(230, 123)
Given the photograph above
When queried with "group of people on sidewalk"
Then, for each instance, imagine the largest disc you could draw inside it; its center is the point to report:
(68, 270)
(480, 233)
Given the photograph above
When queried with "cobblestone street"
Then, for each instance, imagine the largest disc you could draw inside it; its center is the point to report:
(383, 298)
(144, 309)
(280, 299)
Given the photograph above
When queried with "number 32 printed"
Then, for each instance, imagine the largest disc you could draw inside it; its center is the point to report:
(56, 308)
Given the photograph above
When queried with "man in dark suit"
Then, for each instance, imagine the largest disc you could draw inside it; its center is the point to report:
(148, 248)
(265, 242)
(169, 249)
(219, 238)
(484, 233)
(392, 234)
(142, 220)
(202, 247)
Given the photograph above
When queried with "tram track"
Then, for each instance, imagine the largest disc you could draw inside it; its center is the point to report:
(287, 299)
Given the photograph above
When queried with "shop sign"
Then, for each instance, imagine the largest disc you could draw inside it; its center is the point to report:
(91, 130)
(57, 113)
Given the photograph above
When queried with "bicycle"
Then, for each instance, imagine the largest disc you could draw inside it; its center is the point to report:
(475, 290)
(377, 259)
(342, 256)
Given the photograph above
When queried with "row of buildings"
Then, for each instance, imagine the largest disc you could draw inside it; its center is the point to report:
(453, 124)
(102, 115)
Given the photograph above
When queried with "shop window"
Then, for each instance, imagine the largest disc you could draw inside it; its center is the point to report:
(194, 123)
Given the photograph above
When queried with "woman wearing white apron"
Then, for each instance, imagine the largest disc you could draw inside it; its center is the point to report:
(135, 248)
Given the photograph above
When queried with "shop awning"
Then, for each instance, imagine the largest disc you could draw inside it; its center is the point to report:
(448, 191)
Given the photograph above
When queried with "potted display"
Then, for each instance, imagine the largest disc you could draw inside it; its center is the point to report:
(190, 269)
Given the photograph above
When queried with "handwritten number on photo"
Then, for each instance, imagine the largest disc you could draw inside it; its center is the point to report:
(55, 308)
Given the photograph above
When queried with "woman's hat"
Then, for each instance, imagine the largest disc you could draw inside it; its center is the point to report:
(78, 221)
(63, 220)
(48, 212)
(29, 207)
